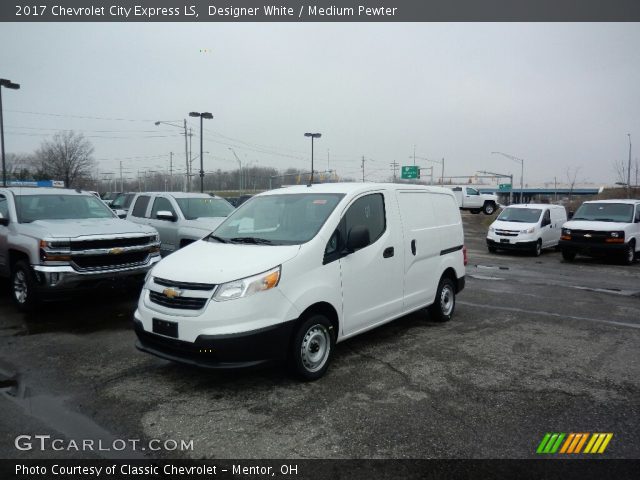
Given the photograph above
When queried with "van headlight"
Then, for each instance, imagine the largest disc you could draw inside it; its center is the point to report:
(248, 286)
(492, 229)
(528, 230)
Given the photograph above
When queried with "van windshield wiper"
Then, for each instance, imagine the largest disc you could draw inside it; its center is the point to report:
(254, 240)
(219, 239)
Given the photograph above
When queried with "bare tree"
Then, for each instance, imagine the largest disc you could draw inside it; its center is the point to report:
(620, 169)
(67, 156)
(572, 175)
(20, 166)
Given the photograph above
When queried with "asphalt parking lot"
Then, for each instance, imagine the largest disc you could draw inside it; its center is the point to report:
(536, 345)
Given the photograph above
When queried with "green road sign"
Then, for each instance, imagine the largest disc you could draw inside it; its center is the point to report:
(411, 171)
(504, 186)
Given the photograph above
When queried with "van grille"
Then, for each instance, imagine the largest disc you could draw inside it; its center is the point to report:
(507, 233)
(184, 285)
(182, 303)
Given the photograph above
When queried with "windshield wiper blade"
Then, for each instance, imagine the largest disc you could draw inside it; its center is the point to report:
(254, 240)
(219, 239)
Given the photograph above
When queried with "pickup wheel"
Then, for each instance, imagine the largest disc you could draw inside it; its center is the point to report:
(568, 255)
(312, 347)
(22, 284)
(445, 301)
(629, 253)
(489, 208)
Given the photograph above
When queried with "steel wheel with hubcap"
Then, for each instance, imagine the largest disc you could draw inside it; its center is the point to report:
(537, 250)
(629, 253)
(489, 208)
(445, 302)
(312, 347)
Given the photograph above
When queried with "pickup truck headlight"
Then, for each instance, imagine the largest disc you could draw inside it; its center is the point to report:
(55, 250)
(248, 286)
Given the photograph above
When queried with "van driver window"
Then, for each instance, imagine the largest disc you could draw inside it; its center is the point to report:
(369, 212)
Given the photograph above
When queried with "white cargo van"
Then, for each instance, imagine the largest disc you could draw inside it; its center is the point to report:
(295, 270)
(532, 227)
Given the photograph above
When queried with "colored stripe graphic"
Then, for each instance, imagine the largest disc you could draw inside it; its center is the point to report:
(573, 443)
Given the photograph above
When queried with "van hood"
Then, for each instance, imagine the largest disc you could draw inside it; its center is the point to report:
(512, 225)
(597, 226)
(214, 262)
(83, 227)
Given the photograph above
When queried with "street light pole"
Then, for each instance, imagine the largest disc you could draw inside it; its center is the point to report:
(13, 86)
(516, 159)
(186, 151)
(208, 116)
(312, 135)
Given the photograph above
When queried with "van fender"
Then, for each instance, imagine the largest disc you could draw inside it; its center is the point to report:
(303, 299)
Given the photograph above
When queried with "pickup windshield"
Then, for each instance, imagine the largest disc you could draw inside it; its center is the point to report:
(204, 207)
(605, 212)
(60, 207)
(523, 215)
(278, 219)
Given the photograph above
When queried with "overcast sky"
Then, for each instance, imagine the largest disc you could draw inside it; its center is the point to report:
(557, 95)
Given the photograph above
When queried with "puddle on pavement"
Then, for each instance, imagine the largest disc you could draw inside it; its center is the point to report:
(53, 412)
(491, 267)
(486, 277)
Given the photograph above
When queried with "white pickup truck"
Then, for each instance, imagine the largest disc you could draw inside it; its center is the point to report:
(470, 198)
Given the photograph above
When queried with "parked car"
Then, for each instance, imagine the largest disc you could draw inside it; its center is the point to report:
(531, 227)
(470, 198)
(109, 197)
(242, 199)
(609, 228)
(298, 269)
(56, 241)
(121, 204)
(180, 218)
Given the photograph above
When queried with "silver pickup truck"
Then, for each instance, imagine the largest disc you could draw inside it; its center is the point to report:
(56, 241)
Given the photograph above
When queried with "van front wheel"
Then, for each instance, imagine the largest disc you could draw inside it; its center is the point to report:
(445, 302)
(312, 347)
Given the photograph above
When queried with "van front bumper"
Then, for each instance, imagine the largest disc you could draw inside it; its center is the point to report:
(593, 248)
(238, 350)
(527, 245)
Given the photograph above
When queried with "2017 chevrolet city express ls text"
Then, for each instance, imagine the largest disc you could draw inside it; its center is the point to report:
(295, 270)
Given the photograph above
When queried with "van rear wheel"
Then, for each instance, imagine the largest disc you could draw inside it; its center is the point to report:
(445, 302)
(312, 347)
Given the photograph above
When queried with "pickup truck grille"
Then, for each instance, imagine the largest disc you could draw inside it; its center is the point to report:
(105, 262)
(183, 303)
(110, 243)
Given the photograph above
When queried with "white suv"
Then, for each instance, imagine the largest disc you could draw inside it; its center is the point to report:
(603, 227)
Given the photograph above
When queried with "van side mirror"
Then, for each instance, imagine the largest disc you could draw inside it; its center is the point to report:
(3, 221)
(165, 215)
(358, 238)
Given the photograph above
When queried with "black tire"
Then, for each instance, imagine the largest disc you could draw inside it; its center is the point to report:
(22, 285)
(489, 208)
(312, 347)
(475, 210)
(492, 249)
(629, 253)
(568, 255)
(537, 249)
(445, 302)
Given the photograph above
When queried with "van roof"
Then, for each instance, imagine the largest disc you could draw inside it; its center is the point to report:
(353, 188)
(630, 201)
(534, 205)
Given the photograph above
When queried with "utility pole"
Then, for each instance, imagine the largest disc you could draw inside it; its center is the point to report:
(186, 155)
(328, 159)
(190, 163)
(442, 176)
(629, 169)
(414, 154)
(363, 169)
(171, 171)
(121, 179)
(394, 165)
(555, 189)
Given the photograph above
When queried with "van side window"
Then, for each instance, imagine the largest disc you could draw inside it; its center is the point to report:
(161, 204)
(638, 213)
(4, 208)
(369, 212)
(140, 208)
(546, 218)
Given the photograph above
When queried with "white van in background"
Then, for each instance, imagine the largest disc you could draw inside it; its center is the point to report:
(532, 227)
(298, 269)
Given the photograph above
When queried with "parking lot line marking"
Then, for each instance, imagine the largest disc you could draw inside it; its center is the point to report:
(550, 314)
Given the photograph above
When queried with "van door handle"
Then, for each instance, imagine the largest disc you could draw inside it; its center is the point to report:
(413, 247)
(388, 252)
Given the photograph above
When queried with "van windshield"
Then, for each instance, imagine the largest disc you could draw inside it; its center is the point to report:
(523, 215)
(60, 207)
(605, 212)
(278, 219)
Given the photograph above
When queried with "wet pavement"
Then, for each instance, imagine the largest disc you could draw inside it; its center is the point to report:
(536, 345)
